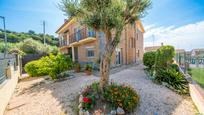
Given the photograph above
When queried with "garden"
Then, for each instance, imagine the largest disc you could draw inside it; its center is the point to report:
(162, 69)
(56, 66)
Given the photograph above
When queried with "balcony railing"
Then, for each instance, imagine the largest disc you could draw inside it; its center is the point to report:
(81, 34)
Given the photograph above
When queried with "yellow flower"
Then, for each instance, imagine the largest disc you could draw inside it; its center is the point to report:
(115, 88)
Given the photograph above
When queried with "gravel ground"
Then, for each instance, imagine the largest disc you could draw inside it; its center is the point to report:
(37, 96)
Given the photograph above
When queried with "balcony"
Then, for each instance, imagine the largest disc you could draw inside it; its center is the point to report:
(82, 35)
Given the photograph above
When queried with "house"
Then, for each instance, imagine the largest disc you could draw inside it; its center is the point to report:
(151, 48)
(85, 45)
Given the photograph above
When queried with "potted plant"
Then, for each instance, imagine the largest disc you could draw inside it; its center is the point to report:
(77, 67)
(88, 69)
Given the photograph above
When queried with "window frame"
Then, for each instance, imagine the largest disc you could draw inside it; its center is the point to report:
(88, 50)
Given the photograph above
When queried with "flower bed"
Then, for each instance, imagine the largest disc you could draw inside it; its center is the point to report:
(116, 98)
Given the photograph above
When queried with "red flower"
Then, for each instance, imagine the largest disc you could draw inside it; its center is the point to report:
(87, 100)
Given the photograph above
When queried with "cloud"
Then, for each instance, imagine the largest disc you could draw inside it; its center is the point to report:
(186, 37)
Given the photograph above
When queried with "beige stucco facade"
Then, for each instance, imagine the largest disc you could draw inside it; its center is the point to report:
(86, 45)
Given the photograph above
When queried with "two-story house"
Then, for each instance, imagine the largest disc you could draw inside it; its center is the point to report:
(85, 45)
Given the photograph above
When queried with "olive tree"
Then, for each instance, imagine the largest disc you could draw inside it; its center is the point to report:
(108, 16)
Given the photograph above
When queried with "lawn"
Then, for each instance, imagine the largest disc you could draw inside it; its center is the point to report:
(198, 75)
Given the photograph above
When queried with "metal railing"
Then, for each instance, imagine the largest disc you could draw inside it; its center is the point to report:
(81, 34)
(4, 63)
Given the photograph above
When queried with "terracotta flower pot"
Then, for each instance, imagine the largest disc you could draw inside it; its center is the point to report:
(88, 72)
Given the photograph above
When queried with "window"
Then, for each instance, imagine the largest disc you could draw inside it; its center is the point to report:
(77, 33)
(132, 43)
(90, 53)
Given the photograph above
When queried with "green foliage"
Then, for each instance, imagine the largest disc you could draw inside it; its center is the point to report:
(175, 80)
(149, 59)
(165, 70)
(38, 67)
(59, 63)
(89, 94)
(197, 75)
(30, 46)
(9, 46)
(175, 67)
(106, 14)
(52, 65)
(164, 56)
(121, 96)
(114, 94)
(15, 37)
(88, 67)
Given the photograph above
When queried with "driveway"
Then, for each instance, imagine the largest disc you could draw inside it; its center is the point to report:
(37, 96)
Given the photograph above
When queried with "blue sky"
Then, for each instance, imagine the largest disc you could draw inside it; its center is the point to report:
(165, 16)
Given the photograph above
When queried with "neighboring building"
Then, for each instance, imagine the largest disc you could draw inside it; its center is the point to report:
(195, 56)
(85, 45)
(151, 48)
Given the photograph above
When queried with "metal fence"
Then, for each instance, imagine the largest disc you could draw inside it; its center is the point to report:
(6, 61)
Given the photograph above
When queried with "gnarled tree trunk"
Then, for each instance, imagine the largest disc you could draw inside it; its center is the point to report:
(106, 57)
(104, 70)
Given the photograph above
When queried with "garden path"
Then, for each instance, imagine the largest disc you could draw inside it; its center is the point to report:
(37, 96)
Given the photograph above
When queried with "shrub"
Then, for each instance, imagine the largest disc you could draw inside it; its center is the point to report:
(88, 67)
(175, 80)
(59, 63)
(114, 94)
(52, 65)
(164, 56)
(37, 67)
(149, 59)
(175, 67)
(121, 96)
(31, 46)
(89, 96)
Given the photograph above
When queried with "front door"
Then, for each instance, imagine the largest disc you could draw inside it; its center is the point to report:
(118, 57)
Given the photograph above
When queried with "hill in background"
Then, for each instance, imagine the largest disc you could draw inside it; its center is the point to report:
(16, 37)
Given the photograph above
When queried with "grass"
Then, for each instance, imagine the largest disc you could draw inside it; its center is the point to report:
(198, 75)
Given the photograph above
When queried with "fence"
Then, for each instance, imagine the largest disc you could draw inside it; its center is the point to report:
(6, 61)
(30, 57)
(196, 92)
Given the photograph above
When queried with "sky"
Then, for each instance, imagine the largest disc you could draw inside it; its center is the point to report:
(173, 22)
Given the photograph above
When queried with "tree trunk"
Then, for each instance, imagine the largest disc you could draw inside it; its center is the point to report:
(106, 57)
(104, 70)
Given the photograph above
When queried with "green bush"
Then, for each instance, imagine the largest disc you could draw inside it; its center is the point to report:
(88, 67)
(164, 56)
(121, 96)
(59, 63)
(175, 67)
(174, 79)
(38, 67)
(149, 59)
(116, 95)
(49, 65)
